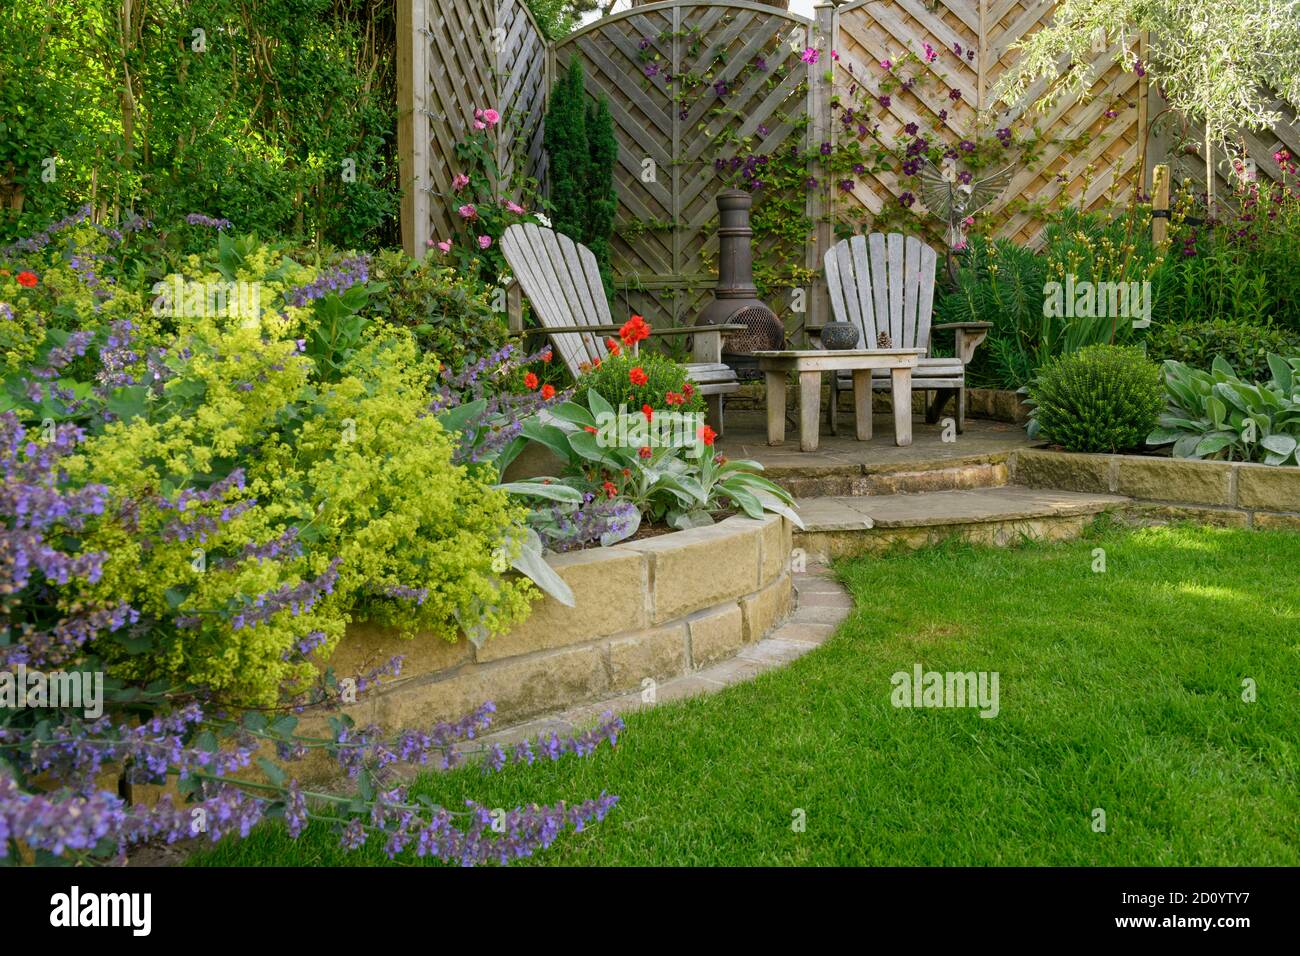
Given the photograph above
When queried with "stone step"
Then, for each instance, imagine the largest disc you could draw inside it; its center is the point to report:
(857, 524)
(893, 478)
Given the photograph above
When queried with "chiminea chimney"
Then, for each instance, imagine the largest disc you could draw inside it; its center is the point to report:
(735, 299)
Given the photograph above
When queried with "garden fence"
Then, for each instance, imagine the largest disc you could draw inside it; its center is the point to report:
(686, 97)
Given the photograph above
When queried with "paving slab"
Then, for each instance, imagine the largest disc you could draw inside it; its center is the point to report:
(938, 508)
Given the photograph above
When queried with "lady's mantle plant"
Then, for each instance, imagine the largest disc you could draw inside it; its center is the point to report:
(198, 504)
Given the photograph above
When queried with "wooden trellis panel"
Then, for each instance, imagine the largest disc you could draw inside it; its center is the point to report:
(455, 57)
(672, 127)
(1088, 157)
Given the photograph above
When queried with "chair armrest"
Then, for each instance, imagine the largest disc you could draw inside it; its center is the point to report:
(612, 329)
(970, 326)
(969, 336)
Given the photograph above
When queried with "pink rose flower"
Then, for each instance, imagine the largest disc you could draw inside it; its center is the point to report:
(479, 124)
(491, 117)
(459, 182)
(445, 245)
(468, 211)
(484, 242)
(514, 207)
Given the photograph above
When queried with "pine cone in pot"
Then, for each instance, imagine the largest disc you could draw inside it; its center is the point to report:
(883, 341)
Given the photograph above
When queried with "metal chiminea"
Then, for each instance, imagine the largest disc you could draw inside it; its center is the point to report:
(736, 302)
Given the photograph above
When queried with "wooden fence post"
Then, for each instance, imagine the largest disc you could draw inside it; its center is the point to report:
(413, 123)
(821, 129)
(1160, 204)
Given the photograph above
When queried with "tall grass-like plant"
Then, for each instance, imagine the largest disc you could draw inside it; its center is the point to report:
(1005, 283)
(1242, 267)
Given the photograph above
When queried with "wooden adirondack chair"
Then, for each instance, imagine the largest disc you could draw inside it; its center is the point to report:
(562, 281)
(886, 284)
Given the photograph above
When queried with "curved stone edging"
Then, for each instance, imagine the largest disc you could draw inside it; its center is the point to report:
(655, 610)
(822, 603)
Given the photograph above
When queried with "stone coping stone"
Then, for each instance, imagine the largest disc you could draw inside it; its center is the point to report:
(626, 589)
(946, 508)
(1175, 481)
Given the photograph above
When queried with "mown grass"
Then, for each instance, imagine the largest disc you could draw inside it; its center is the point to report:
(1119, 690)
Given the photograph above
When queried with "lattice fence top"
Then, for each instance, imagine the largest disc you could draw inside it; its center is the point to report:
(681, 135)
(674, 128)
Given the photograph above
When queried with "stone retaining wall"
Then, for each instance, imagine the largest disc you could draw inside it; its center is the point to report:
(1219, 492)
(657, 608)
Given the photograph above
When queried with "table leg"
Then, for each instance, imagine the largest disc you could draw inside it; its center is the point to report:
(775, 407)
(810, 408)
(902, 379)
(862, 402)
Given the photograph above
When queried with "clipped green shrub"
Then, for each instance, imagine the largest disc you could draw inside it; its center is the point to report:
(1100, 398)
(1244, 344)
(616, 380)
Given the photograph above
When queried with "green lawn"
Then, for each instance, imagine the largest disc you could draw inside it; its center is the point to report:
(1120, 690)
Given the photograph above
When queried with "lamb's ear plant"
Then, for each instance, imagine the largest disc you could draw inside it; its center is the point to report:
(1216, 415)
(682, 485)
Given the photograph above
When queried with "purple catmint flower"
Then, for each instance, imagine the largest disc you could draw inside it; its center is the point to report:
(198, 219)
(339, 279)
(296, 598)
(42, 239)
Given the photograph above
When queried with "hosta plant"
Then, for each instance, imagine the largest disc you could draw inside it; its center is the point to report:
(1217, 415)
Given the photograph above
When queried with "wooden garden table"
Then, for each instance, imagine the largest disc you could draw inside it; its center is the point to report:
(809, 365)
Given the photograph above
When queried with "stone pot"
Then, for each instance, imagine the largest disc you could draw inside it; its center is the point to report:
(840, 335)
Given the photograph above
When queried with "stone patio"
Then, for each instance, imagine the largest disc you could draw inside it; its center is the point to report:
(746, 437)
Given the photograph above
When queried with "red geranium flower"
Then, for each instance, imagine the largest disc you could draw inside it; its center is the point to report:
(688, 389)
(613, 346)
(707, 435)
(548, 392)
(634, 330)
(547, 356)
(638, 376)
(530, 380)
(645, 451)
(610, 490)
(590, 429)
(27, 279)
(674, 398)
(648, 412)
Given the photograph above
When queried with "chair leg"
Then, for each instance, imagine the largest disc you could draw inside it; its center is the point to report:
(714, 414)
(961, 409)
(834, 410)
(935, 405)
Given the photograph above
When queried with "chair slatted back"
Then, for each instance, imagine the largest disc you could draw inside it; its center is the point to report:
(562, 281)
(883, 284)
